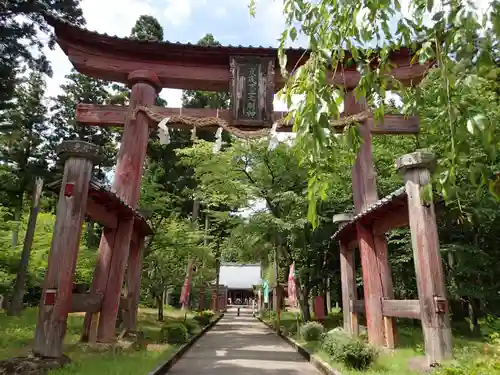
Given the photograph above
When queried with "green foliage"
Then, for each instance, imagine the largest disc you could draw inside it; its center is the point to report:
(204, 317)
(175, 241)
(147, 28)
(174, 333)
(205, 99)
(352, 352)
(335, 318)
(473, 363)
(21, 23)
(311, 331)
(83, 89)
(460, 37)
(192, 326)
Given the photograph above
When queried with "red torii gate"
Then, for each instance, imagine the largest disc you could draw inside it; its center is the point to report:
(147, 67)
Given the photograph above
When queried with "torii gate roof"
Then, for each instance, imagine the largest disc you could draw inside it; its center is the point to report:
(189, 66)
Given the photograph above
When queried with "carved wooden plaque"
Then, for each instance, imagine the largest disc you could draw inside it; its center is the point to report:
(252, 91)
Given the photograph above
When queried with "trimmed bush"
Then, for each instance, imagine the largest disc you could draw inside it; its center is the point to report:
(192, 326)
(335, 318)
(311, 331)
(174, 333)
(352, 352)
(204, 317)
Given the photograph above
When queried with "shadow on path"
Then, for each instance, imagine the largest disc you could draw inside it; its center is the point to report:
(241, 345)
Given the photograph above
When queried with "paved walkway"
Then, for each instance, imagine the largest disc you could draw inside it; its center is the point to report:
(241, 345)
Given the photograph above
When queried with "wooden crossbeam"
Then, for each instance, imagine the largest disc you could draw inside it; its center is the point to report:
(85, 302)
(114, 115)
(409, 308)
(357, 306)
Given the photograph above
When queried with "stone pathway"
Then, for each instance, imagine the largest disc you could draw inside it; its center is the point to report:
(241, 345)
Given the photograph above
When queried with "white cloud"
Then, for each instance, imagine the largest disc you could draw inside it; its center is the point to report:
(172, 96)
(114, 17)
(178, 12)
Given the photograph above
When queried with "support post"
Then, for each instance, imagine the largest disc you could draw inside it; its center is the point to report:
(134, 282)
(55, 303)
(145, 87)
(99, 281)
(377, 280)
(348, 280)
(427, 258)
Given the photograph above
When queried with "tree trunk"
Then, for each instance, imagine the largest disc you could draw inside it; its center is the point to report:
(473, 316)
(17, 218)
(303, 301)
(159, 304)
(16, 305)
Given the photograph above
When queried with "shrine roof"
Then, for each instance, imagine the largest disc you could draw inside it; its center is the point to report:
(382, 207)
(104, 197)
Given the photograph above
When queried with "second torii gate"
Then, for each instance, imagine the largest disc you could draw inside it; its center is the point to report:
(250, 74)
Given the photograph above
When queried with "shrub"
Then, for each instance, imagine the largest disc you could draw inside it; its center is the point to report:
(473, 362)
(174, 333)
(208, 313)
(203, 320)
(311, 331)
(204, 317)
(352, 352)
(335, 318)
(192, 326)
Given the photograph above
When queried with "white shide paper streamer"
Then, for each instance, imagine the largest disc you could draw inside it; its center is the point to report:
(218, 141)
(273, 138)
(163, 131)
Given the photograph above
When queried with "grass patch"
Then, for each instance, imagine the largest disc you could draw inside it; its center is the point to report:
(388, 363)
(17, 335)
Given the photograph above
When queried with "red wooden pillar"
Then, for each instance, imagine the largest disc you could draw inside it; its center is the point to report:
(134, 281)
(55, 303)
(377, 280)
(348, 281)
(428, 267)
(145, 87)
(99, 281)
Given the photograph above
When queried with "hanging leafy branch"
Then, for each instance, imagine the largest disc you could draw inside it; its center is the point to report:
(461, 39)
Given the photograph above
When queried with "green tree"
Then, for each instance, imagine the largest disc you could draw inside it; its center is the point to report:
(20, 21)
(205, 99)
(175, 242)
(23, 132)
(455, 35)
(80, 88)
(147, 28)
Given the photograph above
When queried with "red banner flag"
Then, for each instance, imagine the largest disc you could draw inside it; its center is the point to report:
(292, 292)
(184, 300)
